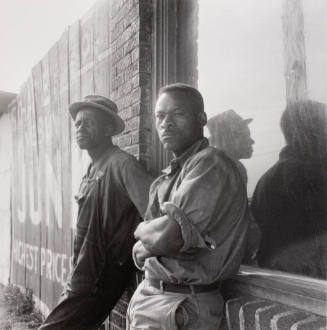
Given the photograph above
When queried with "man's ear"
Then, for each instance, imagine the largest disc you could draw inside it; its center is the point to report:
(202, 118)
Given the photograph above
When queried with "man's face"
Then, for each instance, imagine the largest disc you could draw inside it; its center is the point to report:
(90, 132)
(177, 124)
(243, 143)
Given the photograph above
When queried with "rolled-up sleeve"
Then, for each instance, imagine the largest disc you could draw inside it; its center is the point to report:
(209, 185)
(191, 235)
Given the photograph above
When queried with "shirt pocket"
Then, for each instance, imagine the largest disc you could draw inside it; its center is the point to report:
(86, 188)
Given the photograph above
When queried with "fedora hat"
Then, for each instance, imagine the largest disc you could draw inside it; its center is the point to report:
(229, 119)
(102, 104)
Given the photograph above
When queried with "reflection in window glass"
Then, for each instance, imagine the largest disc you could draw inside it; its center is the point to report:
(315, 23)
(242, 67)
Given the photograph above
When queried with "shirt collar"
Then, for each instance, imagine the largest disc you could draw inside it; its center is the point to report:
(192, 150)
(102, 160)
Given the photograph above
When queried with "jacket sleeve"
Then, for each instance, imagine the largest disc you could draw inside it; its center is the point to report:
(136, 181)
(211, 191)
(211, 194)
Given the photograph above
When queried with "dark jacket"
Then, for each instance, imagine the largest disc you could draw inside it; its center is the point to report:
(290, 200)
(111, 200)
(290, 206)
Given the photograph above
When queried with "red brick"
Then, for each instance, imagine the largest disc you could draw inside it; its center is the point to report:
(124, 63)
(135, 82)
(131, 71)
(131, 44)
(127, 87)
(131, 16)
(126, 113)
(118, 81)
(136, 95)
(117, 55)
(120, 104)
(136, 109)
(124, 90)
(135, 54)
(124, 9)
(125, 140)
(135, 137)
(133, 150)
(132, 124)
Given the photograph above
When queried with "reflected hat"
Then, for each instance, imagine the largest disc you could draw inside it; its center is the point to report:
(103, 104)
(229, 119)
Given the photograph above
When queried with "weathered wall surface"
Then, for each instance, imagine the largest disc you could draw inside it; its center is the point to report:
(5, 177)
(102, 53)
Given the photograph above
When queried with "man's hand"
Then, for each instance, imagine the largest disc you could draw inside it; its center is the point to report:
(140, 253)
(161, 236)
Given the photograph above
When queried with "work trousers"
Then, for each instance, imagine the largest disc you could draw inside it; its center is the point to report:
(153, 309)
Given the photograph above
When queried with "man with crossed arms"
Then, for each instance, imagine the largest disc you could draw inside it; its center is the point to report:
(194, 231)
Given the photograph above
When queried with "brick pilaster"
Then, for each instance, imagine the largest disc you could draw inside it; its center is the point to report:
(131, 28)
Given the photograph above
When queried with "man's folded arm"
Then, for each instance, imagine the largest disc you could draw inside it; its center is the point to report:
(139, 254)
(160, 236)
(208, 185)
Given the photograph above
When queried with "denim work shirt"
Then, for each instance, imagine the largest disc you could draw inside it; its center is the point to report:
(111, 199)
(204, 192)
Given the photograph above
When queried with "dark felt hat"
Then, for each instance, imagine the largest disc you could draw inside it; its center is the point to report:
(100, 103)
(229, 119)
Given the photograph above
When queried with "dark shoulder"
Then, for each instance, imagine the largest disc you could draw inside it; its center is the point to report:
(119, 157)
(121, 168)
(268, 182)
(282, 179)
(281, 173)
(270, 174)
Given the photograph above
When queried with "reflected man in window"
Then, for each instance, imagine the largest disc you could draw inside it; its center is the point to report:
(289, 202)
(231, 133)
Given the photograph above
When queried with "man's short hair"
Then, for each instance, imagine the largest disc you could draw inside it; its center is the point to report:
(190, 91)
(304, 123)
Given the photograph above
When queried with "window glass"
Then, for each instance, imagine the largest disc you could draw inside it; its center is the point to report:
(315, 23)
(243, 79)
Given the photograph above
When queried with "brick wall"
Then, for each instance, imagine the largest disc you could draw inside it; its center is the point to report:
(131, 28)
(254, 313)
(273, 300)
(131, 72)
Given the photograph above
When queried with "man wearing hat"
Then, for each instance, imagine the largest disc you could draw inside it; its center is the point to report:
(112, 196)
(231, 133)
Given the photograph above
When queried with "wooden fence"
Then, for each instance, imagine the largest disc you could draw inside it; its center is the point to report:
(47, 165)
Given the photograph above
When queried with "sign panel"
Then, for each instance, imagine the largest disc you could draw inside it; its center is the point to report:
(47, 165)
